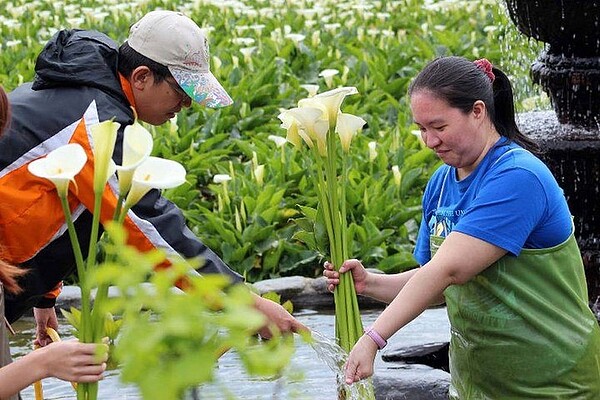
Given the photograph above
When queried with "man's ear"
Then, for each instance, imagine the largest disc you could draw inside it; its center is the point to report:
(141, 77)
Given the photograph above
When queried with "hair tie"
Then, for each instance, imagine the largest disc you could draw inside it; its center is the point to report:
(486, 66)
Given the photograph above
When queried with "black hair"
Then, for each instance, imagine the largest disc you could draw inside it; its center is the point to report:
(129, 59)
(461, 83)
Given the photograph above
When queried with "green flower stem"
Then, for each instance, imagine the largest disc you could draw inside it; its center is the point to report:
(83, 284)
(89, 391)
(121, 217)
(323, 200)
(84, 328)
(91, 260)
(324, 193)
(357, 325)
(119, 207)
(332, 195)
(343, 183)
(98, 317)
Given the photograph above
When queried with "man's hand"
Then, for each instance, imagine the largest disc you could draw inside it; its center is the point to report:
(278, 316)
(44, 317)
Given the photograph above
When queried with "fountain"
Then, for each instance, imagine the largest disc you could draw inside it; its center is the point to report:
(569, 71)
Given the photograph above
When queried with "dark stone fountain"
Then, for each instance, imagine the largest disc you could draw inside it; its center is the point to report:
(569, 71)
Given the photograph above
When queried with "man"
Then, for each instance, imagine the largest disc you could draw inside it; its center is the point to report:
(82, 77)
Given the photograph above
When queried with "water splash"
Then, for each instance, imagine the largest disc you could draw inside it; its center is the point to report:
(335, 358)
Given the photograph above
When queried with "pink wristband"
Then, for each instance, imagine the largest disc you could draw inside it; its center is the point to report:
(377, 338)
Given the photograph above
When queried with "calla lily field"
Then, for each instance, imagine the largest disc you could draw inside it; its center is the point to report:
(298, 47)
(316, 160)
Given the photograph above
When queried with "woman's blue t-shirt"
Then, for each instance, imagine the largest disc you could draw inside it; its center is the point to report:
(510, 200)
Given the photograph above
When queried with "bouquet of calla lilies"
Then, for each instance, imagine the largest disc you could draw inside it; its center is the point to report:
(318, 123)
(138, 174)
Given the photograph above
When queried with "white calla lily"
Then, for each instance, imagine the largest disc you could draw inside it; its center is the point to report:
(220, 178)
(60, 166)
(311, 89)
(295, 135)
(372, 151)
(419, 136)
(397, 175)
(154, 173)
(297, 38)
(330, 102)
(328, 75)
(104, 136)
(310, 122)
(347, 126)
(259, 174)
(137, 146)
(278, 140)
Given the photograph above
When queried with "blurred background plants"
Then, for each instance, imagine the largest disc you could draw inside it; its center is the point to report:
(170, 342)
(264, 52)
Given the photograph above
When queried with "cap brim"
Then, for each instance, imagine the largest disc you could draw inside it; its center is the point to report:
(202, 87)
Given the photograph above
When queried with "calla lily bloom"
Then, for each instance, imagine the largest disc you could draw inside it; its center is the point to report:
(295, 37)
(397, 175)
(330, 102)
(137, 146)
(220, 178)
(154, 173)
(328, 75)
(294, 134)
(310, 121)
(259, 174)
(278, 140)
(419, 135)
(311, 89)
(60, 166)
(104, 136)
(347, 126)
(372, 151)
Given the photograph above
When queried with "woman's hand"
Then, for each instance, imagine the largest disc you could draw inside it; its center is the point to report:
(74, 361)
(359, 274)
(360, 361)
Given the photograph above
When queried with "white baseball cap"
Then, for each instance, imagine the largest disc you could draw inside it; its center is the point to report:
(175, 41)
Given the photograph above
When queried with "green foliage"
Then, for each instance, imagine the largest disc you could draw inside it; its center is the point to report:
(377, 47)
(170, 341)
(112, 327)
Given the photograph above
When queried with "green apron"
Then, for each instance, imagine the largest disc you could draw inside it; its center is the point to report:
(522, 329)
(5, 357)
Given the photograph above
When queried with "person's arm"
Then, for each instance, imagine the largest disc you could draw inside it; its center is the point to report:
(277, 315)
(459, 259)
(69, 360)
(381, 287)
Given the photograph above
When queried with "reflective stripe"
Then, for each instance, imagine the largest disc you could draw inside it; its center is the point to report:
(31, 215)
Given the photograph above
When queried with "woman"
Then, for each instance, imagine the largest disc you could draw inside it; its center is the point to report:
(69, 360)
(495, 244)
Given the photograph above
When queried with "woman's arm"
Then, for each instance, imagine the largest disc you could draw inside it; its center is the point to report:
(68, 360)
(459, 259)
(380, 287)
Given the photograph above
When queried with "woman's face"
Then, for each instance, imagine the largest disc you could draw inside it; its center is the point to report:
(459, 139)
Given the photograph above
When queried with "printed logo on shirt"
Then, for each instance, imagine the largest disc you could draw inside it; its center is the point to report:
(443, 221)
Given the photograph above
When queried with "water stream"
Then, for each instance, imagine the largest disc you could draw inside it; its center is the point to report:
(307, 377)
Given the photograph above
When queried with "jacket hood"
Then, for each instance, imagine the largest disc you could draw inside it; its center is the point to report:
(79, 58)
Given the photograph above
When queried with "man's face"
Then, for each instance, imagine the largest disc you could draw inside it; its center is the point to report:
(157, 102)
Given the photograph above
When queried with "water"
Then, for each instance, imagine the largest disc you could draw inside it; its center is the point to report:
(307, 377)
